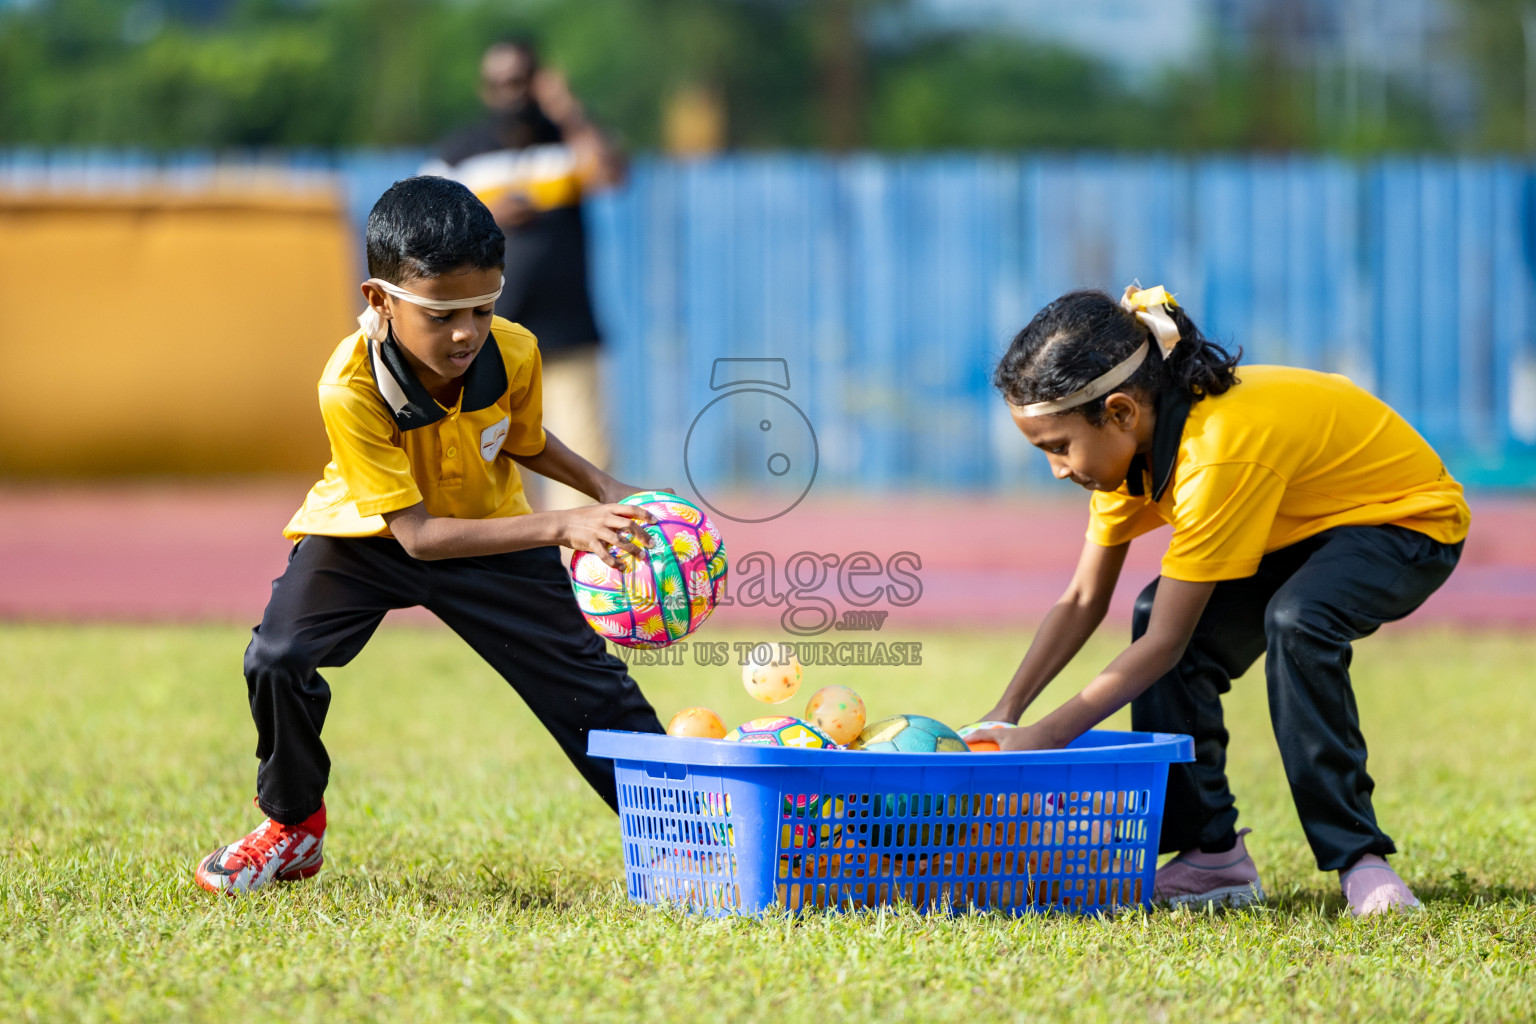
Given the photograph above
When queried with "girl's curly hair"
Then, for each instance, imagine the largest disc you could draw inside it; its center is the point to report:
(1082, 335)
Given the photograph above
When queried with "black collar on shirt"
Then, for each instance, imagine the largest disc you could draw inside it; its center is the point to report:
(1167, 432)
(408, 399)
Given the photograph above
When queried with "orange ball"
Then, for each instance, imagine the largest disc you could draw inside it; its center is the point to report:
(982, 746)
(838, 712)
(700, 723)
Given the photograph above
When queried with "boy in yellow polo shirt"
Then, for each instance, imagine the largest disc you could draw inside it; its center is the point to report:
(430, 409)
(1305, 513)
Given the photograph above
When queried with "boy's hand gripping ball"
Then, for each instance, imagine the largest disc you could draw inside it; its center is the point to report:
(654, 601)
(772, 673)
(836, 711)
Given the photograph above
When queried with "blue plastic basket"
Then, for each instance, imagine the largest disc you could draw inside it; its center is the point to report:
(731, 828)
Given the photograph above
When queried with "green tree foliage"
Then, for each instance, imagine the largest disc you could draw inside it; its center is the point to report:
(324, 73)
(1499, 38)
(379, 72)
(999, 92)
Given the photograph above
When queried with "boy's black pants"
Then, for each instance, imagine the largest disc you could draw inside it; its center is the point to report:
(516, 610)
(1302, 610)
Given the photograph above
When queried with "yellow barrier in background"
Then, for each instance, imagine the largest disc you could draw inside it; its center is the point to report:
(168, 332)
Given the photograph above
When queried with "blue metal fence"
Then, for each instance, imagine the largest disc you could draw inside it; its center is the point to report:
(890, 286)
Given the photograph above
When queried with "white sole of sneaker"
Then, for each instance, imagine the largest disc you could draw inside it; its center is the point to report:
(1233, 896)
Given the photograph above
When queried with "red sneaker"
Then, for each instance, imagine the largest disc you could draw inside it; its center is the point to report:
(273, 852)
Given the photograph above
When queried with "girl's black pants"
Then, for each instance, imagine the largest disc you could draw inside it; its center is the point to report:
(1302, 610)
(516, 610)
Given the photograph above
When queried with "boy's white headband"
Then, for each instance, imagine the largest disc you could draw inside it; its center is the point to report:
(1151, 307)
(374, 325)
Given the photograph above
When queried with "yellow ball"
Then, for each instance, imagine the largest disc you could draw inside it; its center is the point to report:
(836, 711)
(772, 673)
(700, 723)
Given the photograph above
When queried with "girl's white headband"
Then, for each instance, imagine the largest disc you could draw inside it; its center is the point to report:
(1151, 307)
(374, 325)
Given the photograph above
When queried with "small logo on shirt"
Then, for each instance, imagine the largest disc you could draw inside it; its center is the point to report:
(491, 438)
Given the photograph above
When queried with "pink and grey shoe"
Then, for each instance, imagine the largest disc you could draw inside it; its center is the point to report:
(273, 852)
(1372, 887)
(1197, 879)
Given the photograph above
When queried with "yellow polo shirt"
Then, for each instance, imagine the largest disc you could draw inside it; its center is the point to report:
(1282, 456)
(393, 445)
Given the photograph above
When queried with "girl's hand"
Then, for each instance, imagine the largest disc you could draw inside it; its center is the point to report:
(1018, 737)
(603, 530)
(1001, 713)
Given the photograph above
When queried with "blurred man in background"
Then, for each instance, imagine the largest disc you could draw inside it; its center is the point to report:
(531, 160)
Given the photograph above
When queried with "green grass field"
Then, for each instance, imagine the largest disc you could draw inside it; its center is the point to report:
(470, 875)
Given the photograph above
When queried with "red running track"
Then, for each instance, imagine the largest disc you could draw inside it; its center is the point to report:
(196, 552)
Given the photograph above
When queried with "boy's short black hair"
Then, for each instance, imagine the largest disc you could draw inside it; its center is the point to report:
(428, 225)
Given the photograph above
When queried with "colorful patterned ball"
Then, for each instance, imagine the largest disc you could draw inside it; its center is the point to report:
(654, 601)
(814, 806)
(772, 673)
(836, 711)
(781, 731)
(910, 734)
(982, 746)
(700, 723)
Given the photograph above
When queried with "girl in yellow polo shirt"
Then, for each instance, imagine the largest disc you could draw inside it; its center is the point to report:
(1305, 513)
